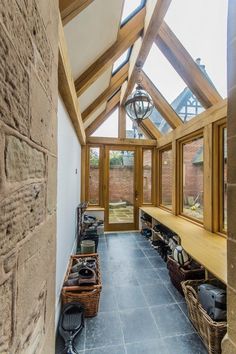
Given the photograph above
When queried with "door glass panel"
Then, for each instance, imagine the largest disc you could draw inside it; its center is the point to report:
(147, 176)
(94, 163)
(193, 179)
(121, 187)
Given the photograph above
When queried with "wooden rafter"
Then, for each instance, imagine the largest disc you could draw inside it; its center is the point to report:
(122, 123)
(150, 127)
(116, 82)
(67, 87)
(128, 34)
(186, 67)
(163, 107)
(111, 105)
(150, 33)
(71, 8)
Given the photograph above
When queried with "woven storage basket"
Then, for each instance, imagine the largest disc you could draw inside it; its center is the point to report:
(211, 332)
(88, 296)
(178, 274)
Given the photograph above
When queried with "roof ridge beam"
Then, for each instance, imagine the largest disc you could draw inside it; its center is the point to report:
(116, 81)
(150, 33)
(186, 67)
(127, 35)
(163, 107)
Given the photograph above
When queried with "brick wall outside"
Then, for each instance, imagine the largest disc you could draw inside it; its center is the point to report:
(28, 147)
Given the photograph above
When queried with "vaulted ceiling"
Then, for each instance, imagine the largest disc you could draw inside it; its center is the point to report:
(95, 39)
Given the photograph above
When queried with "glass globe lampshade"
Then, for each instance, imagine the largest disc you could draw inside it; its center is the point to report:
(139, 105)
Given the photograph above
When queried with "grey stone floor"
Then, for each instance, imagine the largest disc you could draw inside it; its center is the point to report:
(140, 311)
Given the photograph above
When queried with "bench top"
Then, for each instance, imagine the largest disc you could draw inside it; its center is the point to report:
(207, 248)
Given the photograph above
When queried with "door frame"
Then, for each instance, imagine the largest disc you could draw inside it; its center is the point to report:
(127, 226)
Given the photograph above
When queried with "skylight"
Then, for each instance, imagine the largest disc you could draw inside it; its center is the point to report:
(131, 7)
(160, 122)
(109, 128)
(171, 85)
(121, 61)
(201, 26)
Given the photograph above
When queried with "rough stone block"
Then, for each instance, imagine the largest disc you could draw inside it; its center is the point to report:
(43, 117)
(231, 121)
(231, 177)
(23, 161)
(36, 284)
(14, 23)
(14, 87)
(231, 314)
(231, 195)
(6, 311)
(51, 184)
(20, 212)
(2, 160)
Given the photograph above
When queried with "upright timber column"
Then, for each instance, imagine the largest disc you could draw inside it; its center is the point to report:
(229, 343)
(28, 147)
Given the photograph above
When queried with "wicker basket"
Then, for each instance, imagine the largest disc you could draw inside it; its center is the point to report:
(179, 274)
(88, 296)
(211, 332)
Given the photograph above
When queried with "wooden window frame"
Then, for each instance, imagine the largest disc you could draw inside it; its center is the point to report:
(160, 152)
(218, 178)
(181, 142)
(153, 199)
(100, 182)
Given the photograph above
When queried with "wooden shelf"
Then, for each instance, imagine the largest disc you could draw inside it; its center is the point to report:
(91, 208)
(205, 247)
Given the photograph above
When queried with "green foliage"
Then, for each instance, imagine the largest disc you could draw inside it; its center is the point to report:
(116, 158)
(94, 157)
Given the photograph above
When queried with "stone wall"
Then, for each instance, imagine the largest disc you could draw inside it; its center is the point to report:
(28, 146)
(229, 343)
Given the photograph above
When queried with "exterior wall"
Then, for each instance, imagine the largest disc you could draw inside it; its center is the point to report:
(28, 149)
(68, 194)
(229, 343)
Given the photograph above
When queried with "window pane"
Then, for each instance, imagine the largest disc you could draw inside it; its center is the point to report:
(224, 187)
(121, 61)
(109, 129)
(171, 85)
(197, 24)
(160, 122)
(132, 130)
(147, 176)
(193, 179)
(130, 8)
(121, 187)
(166, 178)
(93, 187)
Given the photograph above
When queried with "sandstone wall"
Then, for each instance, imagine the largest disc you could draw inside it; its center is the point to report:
(229, 344)
(28, 146)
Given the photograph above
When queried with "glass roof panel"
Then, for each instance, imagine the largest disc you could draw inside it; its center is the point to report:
(109, 128)
(171, 85)
(201, 26)
(160, 122)
(132, 132)
(121, 61)
(131, 7)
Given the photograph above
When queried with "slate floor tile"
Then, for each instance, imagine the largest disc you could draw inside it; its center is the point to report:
(128, 297)
(185, 344)
(157, 262)
(124, 278)
(163, 274)
(155, 346)
(103, 330)
(147, 276)
(120, 349)
(171, 321)
(107, 300)
(174, 292)
(139, 263)
(138, 325)
(151, 252)
(157, 294)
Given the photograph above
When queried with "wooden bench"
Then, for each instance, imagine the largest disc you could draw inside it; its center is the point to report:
(205, 247)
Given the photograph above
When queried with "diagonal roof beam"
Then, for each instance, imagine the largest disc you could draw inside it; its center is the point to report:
(160, 102)
(150, 127)
(111, 105)
(186, 67)
(156, 17)
(71, 8)
(116, 81)
(127, 35)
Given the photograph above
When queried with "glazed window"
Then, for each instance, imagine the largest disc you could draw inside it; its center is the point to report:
(166, 172)
(192, 179)
(147, 176)
(94, 176)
